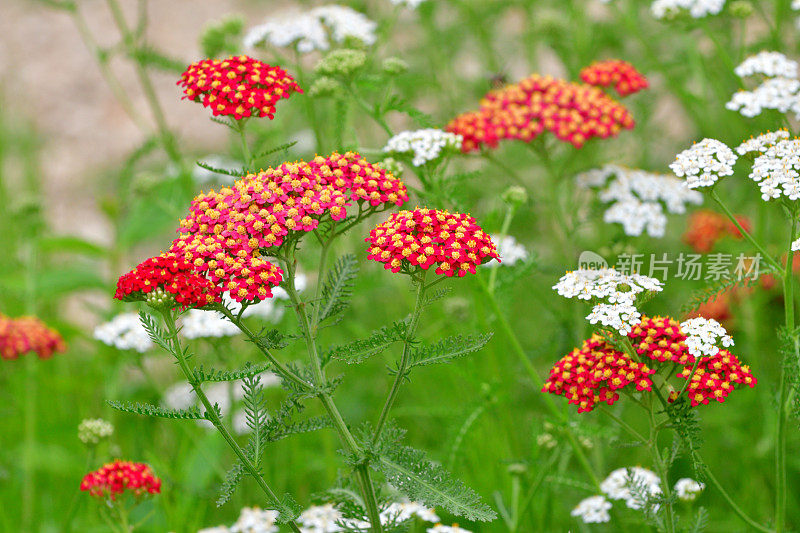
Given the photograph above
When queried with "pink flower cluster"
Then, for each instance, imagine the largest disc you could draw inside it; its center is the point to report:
(26, 334)
(113, 479)
(621, 74)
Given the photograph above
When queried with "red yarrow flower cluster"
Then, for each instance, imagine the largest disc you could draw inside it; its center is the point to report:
(621, 74)
(573, 112)
(27, 334)
(423, 238)
(227, 232)
(114, 479)
(593, 373)
(174, 276)
(715, 378)
(660, 338)
(706, 228)
(240, 86)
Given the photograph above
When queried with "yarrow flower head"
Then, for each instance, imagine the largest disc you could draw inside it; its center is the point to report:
(92, 430)
(704, 163)
(28, 334)
(573, 112)
(593, 510)
(227, 232)
(706, 228)
(424, 238)
(124, 332)
(424, 145)
(778, 90)
(714, 378)
(777, 170)
(311, 30)
(441, 528)
(687, 489)
(613, 293)
(240, 87)
(661, 339)
(593, 373)
(632, 485)
(769, 64)
(167, 280)
(119, 477)
(621, 74)
(704, 335)
(197, 324)
(638, 197)
(256, 520)
(762, 142)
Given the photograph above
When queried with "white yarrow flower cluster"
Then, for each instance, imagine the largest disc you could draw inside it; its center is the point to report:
(310, 30)
(704, 163)
(777, 170)
(616, 294)
(762, 142)
(425, 145)
(703, 336)
(796, 246)
(124, 332)
(769, 64)
(92, 430)
(198, 324)
(780, 90)
(593, 510)
(402, 511)
(695, 8)
(510, 251)
(638, 197)
(687, 489)
(441, 528)
(617, 486)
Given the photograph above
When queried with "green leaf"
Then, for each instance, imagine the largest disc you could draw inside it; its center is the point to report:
(448, 349)
(71, 244)
(148, 409)
(362, 349)
(152, 57)
(235, 173)
(248, 370)
(280, 148)
(229, 484)
(338, 287)
(421, 480)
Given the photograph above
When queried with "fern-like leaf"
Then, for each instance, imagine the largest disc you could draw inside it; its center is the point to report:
(201, 375)
(229, 484)
(421, 480)
(710, 292)
(280, 148)
(378, 341)
(148, 409)
(448, 349)
(152, 57)
(235, 173)
(338, 287)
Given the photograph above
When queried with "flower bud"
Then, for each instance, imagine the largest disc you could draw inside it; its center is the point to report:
(341, 63)
(92, 430)
(515, 196)
(394, 66)
(741, 9)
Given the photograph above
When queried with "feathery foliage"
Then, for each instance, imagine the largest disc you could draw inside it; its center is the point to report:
(448, 349)
(147, 409)
(201, 375)
(338, 287)
(378, 341)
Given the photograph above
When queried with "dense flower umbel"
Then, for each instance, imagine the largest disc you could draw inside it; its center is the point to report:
(227, 231)
(573, 112)
(594, 372)
(425, 238)
(707, 227)
(113, 479)
(167, 276)
(19, 336)
(660, 339)
(715, 378)
(240, 86)
(621, 74)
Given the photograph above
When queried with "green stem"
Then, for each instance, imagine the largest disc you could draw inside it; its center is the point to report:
(248, 156)
(350, 443)
(213, 417)
(661, 468)
(736, 509)
(404, 360)
(519, 351)
(503, 232)
(745, 233)
(369, 110)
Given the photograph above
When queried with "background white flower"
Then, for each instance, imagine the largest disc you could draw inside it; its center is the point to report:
(593, 510)
(124, 332)
(425, 145)
(704, 163)
(761, 142)
(617, 485)
(197, 323)
(510, 251)
(688, 489)
(695, 8)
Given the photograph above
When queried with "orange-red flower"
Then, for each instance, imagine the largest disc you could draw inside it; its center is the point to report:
(114, 479)
(707, 227)
(171, 274)
(573, 112)
(424, 238)
(238, 86)
(19, 336)
(621, 74)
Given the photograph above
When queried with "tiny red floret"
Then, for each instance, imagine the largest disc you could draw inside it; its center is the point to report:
(621, 74)
(114, 479)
